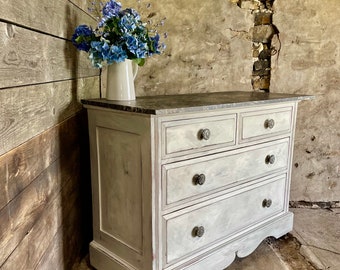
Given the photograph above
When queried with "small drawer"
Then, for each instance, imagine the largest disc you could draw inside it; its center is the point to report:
(186, 136)
(206, 224)
(187, 180)
(265, 123)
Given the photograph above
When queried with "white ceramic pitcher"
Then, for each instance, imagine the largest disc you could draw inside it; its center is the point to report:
(120, 80)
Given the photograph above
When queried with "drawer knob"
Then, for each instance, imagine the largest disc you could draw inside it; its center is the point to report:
(270, 159)
(199, 179)
(269, 123)
(204, 134)
(198, 231)
(266, 203)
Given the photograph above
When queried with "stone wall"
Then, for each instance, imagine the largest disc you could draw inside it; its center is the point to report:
(277, 46)
(309, 63)
(209, 48)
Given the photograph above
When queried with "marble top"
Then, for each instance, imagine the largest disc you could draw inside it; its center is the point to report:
(169, 104)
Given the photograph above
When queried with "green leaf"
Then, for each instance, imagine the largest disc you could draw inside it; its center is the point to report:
(139, 61)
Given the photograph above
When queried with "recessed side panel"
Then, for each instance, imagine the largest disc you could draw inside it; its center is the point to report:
(120, 187)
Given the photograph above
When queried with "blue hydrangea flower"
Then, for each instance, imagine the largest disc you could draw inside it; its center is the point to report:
(127, 23)
(117, 54)
(111, 9)
(97, 45)
(120, 35)
(81, 37)
(131, 12)
(155, 44)
(136, 47)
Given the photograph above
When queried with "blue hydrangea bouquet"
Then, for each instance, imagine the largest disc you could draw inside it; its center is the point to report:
(120, 35)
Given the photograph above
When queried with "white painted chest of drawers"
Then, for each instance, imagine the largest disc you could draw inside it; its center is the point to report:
(189, 182)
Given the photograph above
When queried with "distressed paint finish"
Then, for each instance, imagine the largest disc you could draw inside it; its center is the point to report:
(235, 218)
(309, 63)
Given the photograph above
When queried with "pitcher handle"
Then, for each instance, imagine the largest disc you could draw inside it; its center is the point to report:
(134, 69)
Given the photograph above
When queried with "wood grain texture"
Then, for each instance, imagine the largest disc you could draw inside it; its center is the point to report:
(42, 149)
(22, 165)
(58, 17)
(82, 4)
(27, 111)
(29, 57)
(20, 215)
(57, 215)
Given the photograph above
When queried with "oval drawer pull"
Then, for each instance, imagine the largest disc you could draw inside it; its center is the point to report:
(270, 159)
(198, 231)
(269, 123)
(204, 134)
(266, 203)
(199, 179)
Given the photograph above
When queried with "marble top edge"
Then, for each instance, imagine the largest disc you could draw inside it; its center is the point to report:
(170, 104)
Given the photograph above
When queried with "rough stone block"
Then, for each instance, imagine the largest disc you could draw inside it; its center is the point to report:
(261, 65)
(263, 33)
(263, 18)
(261, 83)
(249, 4)
(265, 54)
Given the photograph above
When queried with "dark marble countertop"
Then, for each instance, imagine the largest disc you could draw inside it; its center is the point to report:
(169, 104)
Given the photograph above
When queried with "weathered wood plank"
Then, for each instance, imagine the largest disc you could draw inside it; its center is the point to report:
(66, 244)
(28, 57)
(22, 165)
(20, 215)
(58, 17)
(82, 4)
(27, 111)
(61, 214)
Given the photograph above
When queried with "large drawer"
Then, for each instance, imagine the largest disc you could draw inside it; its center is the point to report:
(265, 123)
(197, 177)
(186, 136)
(189, 231)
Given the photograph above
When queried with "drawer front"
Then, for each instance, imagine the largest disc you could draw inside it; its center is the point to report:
(185, 136)
(197, 177)
(263, 124)
(211, 223)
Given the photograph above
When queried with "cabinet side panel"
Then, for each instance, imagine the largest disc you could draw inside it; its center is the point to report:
(120, 186)
(121, 189)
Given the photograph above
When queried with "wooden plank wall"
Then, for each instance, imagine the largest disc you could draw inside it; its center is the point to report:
(45, 199)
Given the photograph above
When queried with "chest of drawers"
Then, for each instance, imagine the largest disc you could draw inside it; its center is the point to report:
(191, 181)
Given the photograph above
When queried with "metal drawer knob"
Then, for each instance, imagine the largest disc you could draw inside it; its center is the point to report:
(198, 231)
(269, 123)
(204, 134)
(199, 179)
(270, 159)
(266, 203)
